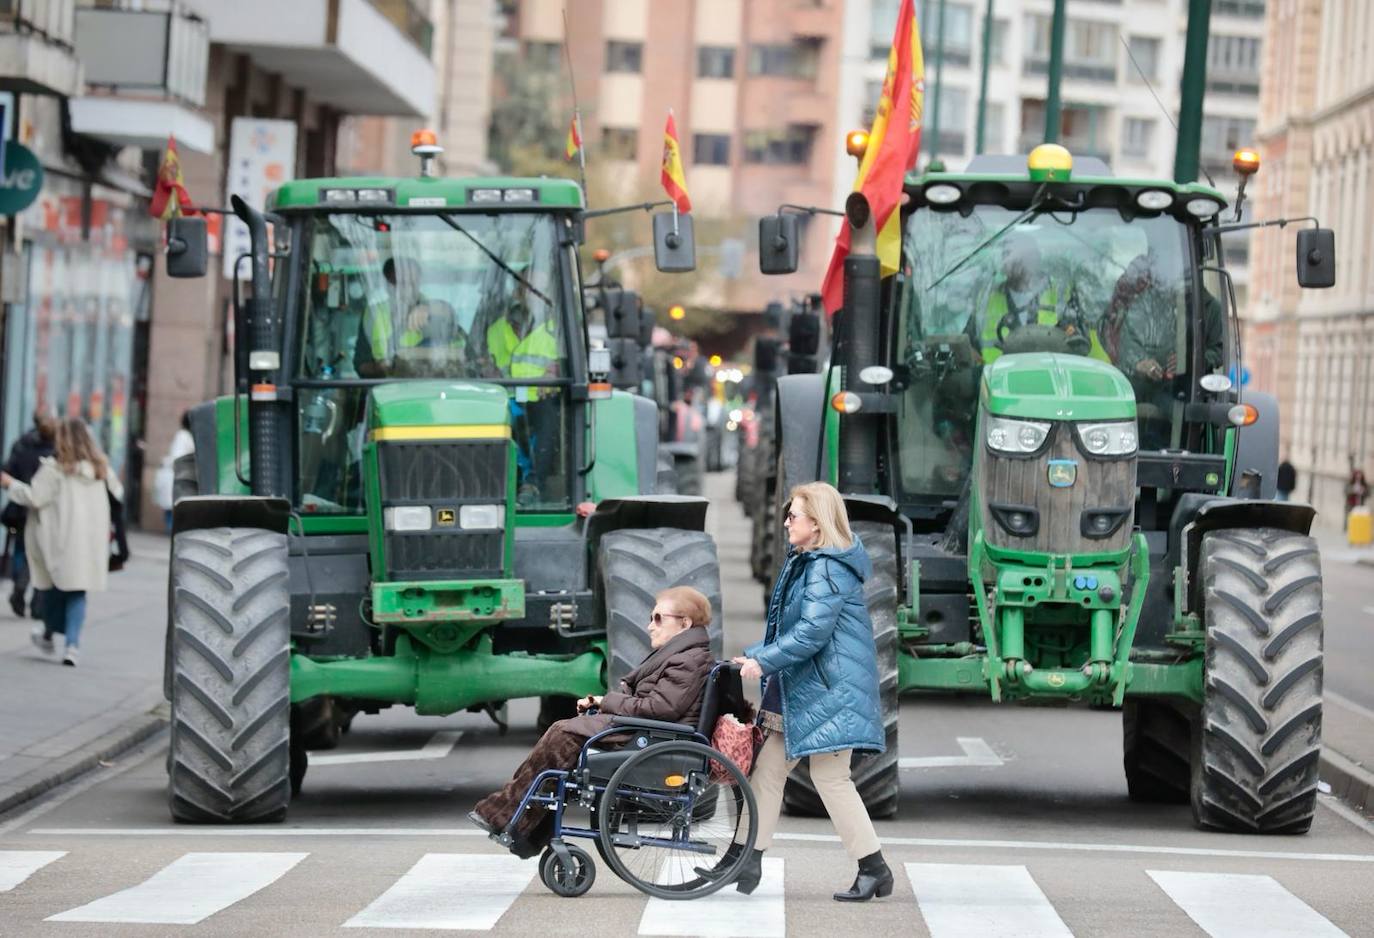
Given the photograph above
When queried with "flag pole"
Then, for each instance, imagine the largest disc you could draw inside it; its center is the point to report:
(577, 114)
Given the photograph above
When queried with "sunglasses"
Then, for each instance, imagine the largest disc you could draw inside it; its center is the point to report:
(795, 516)
(658, 617)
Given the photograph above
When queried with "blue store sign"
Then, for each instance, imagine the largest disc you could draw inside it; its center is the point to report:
(22, 179)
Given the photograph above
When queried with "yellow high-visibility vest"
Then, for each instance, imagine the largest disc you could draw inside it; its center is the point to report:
(1046, 314)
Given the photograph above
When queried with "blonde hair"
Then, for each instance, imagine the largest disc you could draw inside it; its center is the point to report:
(691, 603)
(825, 506)
(73, 445)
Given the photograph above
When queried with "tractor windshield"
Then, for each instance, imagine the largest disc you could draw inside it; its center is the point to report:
(421, 296)
(1090, 282)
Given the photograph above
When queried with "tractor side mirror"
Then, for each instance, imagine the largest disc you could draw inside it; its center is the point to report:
(622, 314)
(1316, 258)
(779, 244)
(187, 252)
(675, 250)
(627, 364)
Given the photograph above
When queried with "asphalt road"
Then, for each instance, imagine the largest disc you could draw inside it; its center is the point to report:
(1013, 821)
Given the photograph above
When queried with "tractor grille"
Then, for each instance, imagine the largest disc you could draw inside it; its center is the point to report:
(1063, 517)
(443, 476)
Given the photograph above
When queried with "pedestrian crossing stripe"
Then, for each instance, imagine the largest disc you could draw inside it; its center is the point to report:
(472, 892)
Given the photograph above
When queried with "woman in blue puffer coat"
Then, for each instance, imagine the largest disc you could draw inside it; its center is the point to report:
(820, 671)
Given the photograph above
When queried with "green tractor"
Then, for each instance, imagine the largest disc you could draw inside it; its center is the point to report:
(423, 490)
(1067, 496)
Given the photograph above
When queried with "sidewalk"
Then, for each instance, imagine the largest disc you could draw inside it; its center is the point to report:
(57, 722)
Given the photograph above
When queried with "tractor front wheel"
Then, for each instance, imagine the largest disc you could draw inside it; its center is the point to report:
(1258, 742)
(230, 759)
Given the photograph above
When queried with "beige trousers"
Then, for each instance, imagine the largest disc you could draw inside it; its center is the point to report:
(830, 774)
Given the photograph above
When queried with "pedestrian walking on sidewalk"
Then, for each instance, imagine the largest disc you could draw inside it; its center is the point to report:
(164, 481)
(820, 697)
(67, 537)
(24, 458)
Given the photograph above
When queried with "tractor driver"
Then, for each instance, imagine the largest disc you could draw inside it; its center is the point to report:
(1029, 295)
(433, 342)
(519, 347)
(374, 349)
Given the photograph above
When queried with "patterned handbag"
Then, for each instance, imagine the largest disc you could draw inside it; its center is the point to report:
(738, 742)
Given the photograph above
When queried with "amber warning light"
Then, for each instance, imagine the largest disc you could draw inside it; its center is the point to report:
(1246, 162)
(855, 143)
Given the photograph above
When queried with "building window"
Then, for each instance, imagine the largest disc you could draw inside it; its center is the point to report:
(788, 147)
(1089, 49)
(873, 93)
(1222, 137)
(1145, 56)
(619, 143)
(715, 62)
(711, 149)
(784, 61)
(1253, 9)
(1137, 133)
(1083, 128)
(882, 24)
(543, 56)
(624, 56)
(953, 121)
(994, 128)
(958, 48)
(999, 42)
(1233, 64)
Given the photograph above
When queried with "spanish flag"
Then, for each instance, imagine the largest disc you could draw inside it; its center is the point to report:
(574, 145)
(672, 177)
(170, 181)
(893, 144)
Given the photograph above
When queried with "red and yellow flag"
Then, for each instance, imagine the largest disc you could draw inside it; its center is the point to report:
(574, 144)
(170, 181)
(893, 143)
(672, 177)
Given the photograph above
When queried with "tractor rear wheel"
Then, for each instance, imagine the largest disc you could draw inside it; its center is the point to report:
(1259, 739)
(1156, 742)
(229, 758)
(635, 566)
(875, 774)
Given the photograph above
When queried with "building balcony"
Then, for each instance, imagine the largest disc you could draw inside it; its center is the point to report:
(813, 19)
(145, 78)
(36, 52)
(1078, 71)
(352, 55)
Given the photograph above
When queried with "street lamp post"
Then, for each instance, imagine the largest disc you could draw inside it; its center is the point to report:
(1191, 91)
(981, 131)
(1056, 72)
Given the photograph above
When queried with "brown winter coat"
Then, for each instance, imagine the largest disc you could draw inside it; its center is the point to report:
(667, 686)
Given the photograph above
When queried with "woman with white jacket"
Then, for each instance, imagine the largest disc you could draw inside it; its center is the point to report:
(67, 537)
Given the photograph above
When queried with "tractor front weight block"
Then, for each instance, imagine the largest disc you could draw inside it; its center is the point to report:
(467, 601)
(440, 684)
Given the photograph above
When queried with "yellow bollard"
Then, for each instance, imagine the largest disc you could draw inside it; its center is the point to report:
(1360, 529)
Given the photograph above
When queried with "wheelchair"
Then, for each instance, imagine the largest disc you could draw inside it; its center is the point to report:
(664, 807)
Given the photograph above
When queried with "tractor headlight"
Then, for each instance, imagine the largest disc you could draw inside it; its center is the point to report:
(481, 517)
(1108, 439)
(408, 518)
(1016, 436)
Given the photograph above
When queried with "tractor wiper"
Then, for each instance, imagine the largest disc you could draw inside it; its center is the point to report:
(1038, 202)
(448, 220)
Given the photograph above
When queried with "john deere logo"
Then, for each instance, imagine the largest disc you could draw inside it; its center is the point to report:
(1062, 473)
(445, 518)
(1056, 680)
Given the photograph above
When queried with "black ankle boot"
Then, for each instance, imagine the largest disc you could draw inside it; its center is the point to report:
(874, 879)
(750, 873)
(727, 860)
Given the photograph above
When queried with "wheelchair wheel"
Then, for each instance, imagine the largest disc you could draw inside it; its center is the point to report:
(651, 825)
(563, 880)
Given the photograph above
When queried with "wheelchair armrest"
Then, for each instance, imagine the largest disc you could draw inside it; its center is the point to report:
(663, 725)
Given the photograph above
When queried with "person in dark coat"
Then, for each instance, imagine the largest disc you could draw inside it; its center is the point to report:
(820, 696)
(25, 455)
(666, 686)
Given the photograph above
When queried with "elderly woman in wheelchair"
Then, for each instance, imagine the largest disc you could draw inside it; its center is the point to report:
(662, 804)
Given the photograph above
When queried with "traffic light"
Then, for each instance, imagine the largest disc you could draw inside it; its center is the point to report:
(677, 312)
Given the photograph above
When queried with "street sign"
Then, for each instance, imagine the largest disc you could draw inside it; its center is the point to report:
(262, 156)
(22, 179)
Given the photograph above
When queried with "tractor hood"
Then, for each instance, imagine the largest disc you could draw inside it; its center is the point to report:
(1050, 386)
(439, 410)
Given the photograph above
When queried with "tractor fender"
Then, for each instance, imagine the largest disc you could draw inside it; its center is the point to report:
(206, 435)
(1257, 446)
(800, 409)
(198, 512)
(646, 442)
(1197, 514)
(686, 512)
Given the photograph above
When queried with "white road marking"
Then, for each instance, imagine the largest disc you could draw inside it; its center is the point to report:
(450, 891)
(1234, 905)
(188, 890)
(438, 747)
(961, 844)
(959, 900)
(18, 865)
(724, 914)
(976, 752)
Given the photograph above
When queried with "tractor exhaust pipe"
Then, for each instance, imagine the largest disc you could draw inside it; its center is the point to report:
(857, 347)
(257, 363)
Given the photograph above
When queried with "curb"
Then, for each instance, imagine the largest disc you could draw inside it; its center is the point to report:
(1351, 782)
(82, 760)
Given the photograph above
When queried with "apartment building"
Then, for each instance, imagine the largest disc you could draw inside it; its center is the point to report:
(752, 85)
(1315, 348)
